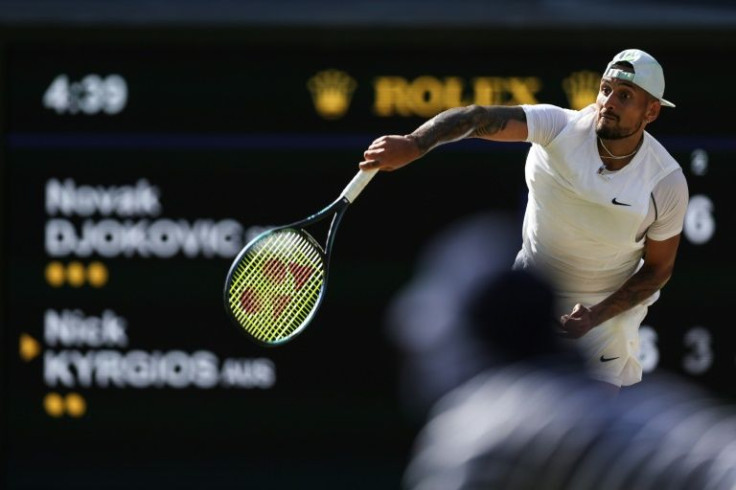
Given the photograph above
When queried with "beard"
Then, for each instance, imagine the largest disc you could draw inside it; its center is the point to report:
(610, 133)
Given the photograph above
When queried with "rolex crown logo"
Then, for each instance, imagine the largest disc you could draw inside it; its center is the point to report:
(332, 91)
(581, 88)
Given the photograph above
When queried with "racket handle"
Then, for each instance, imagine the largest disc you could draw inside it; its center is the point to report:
(358, 183)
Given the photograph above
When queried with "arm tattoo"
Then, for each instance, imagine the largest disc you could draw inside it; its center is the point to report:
(639, 287)
(462, 122)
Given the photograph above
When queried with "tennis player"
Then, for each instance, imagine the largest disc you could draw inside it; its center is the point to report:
(605, 209)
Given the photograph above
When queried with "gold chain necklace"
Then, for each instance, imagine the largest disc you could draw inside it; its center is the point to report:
(614, 157)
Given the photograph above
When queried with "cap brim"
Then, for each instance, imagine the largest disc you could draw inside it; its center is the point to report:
(666, 103)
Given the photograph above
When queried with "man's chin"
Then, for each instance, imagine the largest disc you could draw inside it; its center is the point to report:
(605, 132)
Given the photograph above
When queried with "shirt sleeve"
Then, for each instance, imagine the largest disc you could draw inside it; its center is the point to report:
(671, 198)
(545, 121)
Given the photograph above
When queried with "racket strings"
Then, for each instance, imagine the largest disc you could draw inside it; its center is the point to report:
(266, 303)
(259, 274)
(276, 285)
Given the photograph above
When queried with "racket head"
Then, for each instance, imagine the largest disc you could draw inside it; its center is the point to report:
(276, 284)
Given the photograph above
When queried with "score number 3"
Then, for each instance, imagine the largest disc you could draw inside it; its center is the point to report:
(91, 95)
(698, 342)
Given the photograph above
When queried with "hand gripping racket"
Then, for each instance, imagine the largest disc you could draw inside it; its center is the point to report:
(278, 280)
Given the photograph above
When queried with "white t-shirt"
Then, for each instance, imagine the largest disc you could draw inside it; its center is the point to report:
(586, 227)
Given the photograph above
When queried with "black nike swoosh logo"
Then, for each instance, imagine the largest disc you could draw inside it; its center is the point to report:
(607, 359)
(614, 201)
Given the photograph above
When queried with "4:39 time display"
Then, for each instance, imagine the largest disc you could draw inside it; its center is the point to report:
(93, 94)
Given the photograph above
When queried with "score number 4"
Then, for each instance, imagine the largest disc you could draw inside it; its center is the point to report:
(91, 95)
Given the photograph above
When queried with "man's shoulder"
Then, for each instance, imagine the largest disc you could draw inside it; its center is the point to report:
(546, 122)
(555, 109)
(658, 153)
(674, 182)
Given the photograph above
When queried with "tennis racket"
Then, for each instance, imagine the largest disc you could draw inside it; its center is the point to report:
(278, 280)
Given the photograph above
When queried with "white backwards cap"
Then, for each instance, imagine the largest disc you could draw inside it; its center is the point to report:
(647, 72)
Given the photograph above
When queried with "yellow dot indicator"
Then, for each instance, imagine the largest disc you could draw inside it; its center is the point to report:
(97, 274)
(54, 404)
(75, 274)
(29, 348)
(76, 406)
(55, 274)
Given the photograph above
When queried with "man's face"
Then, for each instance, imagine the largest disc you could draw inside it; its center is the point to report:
(622, 108)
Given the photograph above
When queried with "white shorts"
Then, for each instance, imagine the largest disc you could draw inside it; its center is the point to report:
(611, 350)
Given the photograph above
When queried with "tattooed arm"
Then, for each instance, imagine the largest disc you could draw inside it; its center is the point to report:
(498, 123)
(659, 262)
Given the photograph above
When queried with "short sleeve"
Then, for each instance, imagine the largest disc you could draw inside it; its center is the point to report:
(545, 122)
(671, 196)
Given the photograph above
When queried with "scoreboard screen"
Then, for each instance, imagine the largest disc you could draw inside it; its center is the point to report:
(134, 168)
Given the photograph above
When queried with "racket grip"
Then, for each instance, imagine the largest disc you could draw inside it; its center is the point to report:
(358, 183)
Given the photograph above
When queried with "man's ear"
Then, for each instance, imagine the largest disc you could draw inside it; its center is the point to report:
(652, 112)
